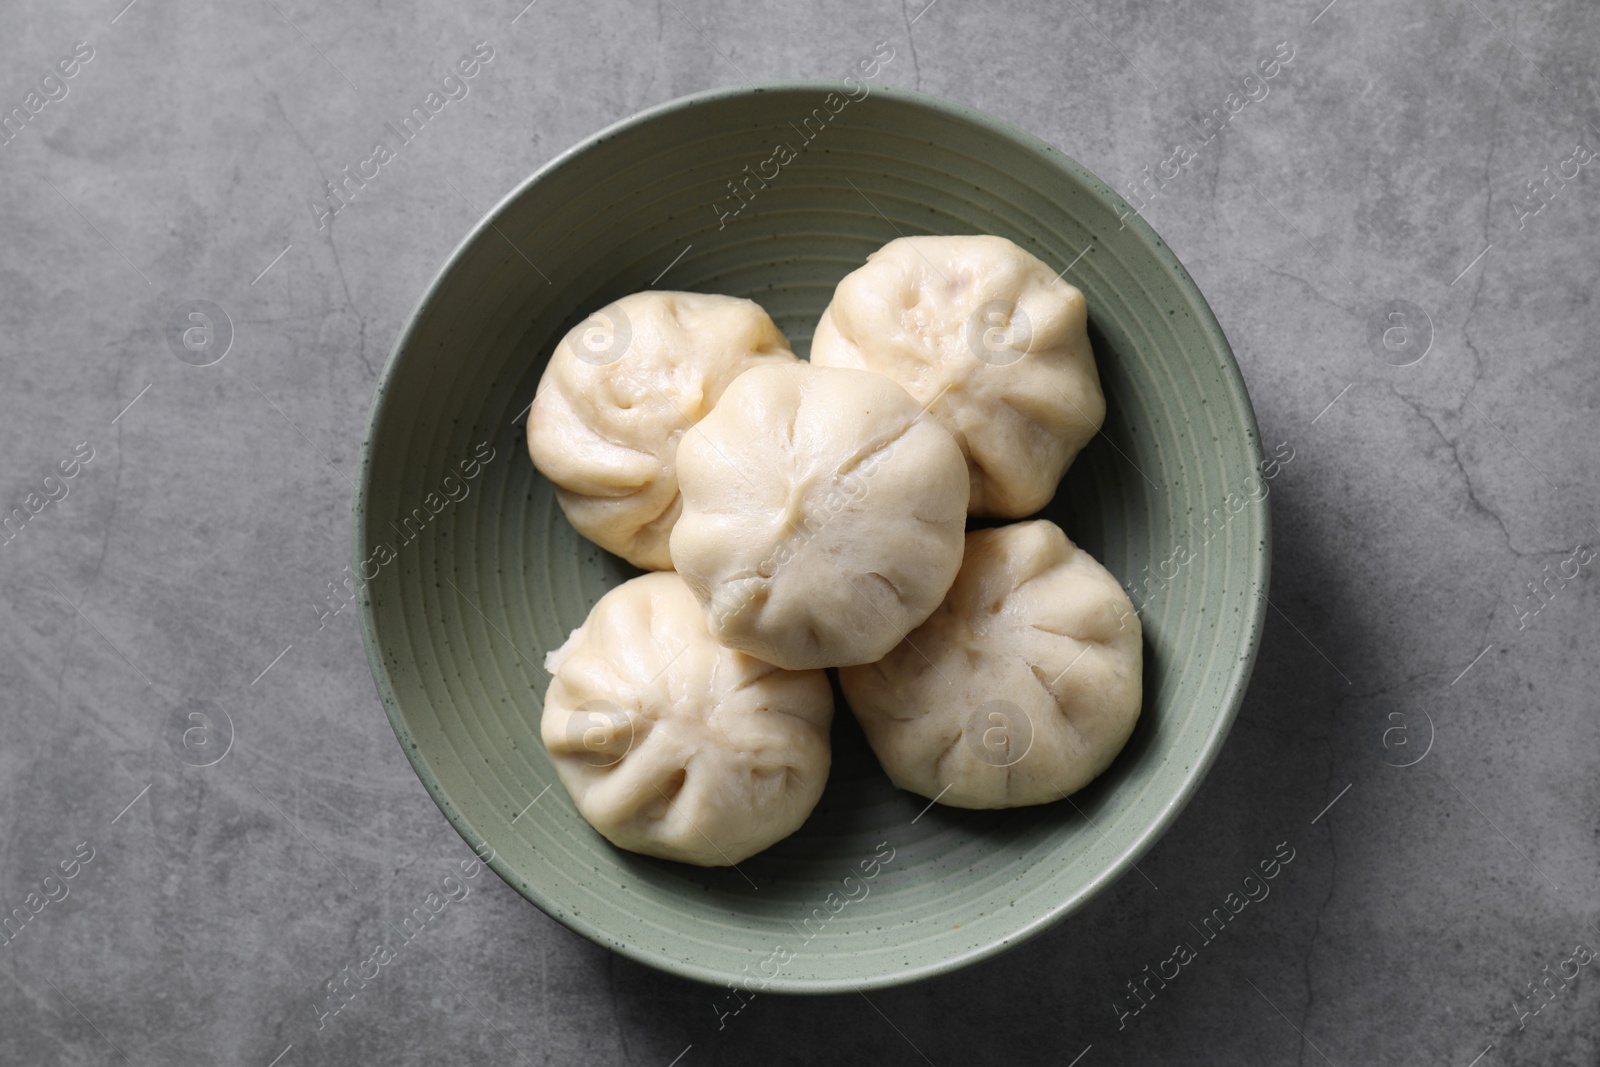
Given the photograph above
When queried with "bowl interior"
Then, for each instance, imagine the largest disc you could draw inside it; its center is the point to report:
(471, 573)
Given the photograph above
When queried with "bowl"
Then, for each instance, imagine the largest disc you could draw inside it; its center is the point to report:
(469, 573)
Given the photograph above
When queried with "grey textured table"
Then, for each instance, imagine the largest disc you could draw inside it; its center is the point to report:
(1420, 734)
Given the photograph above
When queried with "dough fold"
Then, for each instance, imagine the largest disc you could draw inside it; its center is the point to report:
(997, 346)
(1020, 689)
(674, 746)
(619, 392)
(823, 515)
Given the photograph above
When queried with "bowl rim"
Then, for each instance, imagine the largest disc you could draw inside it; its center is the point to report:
(1202, 758)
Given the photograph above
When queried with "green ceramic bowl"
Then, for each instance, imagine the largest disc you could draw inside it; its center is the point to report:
(471, 574)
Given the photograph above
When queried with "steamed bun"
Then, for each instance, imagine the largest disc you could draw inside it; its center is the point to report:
(1020, 689)
(620, 390)
(986, 334)
(823, 515)
(674, 746)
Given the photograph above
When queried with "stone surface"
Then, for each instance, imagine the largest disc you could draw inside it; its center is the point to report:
(192, 551)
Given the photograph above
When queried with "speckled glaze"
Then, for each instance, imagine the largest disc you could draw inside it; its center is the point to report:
(457, 625)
